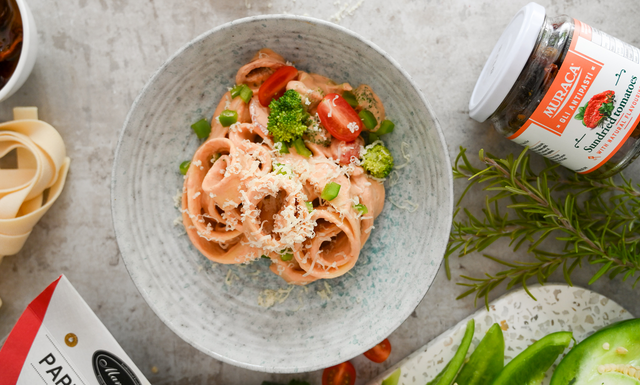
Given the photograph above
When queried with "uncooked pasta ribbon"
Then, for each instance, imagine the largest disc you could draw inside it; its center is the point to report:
(33, 184)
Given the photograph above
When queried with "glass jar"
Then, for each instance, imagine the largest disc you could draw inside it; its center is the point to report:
(568, 91)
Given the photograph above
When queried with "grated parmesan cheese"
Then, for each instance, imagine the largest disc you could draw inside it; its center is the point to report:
(393, 178)
(268, 298)
(231, 276)
(344, 10)
(326, 293)
(412, 206)
(407, 156)
(177, 199)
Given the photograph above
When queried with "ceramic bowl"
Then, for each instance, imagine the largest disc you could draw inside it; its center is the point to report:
(215, 307)
(28, 54)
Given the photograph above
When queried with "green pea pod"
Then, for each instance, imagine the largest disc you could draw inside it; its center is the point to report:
(609, 356)
(486, 361)
(392, 379)
(529, 367)
(450, 371)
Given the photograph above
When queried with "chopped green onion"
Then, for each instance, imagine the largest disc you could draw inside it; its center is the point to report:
(362, 209)
(246, 94)
(386, 127)
(264, 256)
(243, 91)
(309, 206)
(350, 98)
(286, 257)
(301, 149)
(202, 128)
(330, 191)
(284, 148)
(368, 119)
(372, 137)
(279, 169)
(184, 167)
(228, 117)
(235, 91)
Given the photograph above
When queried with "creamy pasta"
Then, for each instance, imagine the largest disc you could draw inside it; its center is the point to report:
(244, 199)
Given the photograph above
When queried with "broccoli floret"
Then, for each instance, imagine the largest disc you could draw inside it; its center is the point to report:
(287, 117)
(377, 160)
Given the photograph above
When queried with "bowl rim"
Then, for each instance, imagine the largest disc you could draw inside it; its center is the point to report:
(27, 30)
(146, 88)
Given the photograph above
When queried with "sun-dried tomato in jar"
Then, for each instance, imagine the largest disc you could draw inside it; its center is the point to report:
(568, 91)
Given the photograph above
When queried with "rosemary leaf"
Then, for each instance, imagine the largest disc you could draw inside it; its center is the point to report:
(595, 220)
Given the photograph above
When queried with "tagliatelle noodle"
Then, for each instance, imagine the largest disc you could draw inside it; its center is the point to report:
(243, 199)
(42, 165)
(263, 65)
(342, 249)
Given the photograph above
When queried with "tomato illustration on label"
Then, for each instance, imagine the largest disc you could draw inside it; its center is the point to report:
(597, 108)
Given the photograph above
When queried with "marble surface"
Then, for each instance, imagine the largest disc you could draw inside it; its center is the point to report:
(94, 58)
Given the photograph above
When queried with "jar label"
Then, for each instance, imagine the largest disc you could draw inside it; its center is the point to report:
(592, 106)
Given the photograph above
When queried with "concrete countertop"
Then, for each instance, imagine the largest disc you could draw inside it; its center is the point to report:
(96, 55)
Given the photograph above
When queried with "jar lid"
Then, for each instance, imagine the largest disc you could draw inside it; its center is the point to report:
(506, 61)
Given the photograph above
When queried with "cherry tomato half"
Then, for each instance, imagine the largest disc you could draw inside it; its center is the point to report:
(339, 118)
(341, 374)
(276, 84)
(380, 352)
(349, 150)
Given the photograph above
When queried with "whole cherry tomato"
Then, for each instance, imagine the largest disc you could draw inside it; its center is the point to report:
(380, 352)
(276, 84)
(341, 374)
(339, 118)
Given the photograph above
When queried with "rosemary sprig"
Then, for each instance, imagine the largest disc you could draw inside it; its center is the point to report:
(596, 220)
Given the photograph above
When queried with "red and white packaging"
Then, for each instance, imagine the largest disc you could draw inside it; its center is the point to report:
(58, 340)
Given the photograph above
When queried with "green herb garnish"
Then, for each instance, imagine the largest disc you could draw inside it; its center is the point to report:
(595, 219)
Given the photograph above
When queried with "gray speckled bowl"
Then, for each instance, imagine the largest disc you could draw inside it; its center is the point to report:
(215, 307)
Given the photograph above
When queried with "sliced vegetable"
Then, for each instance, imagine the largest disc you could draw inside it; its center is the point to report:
(309, 206)
(609, 356)
(380, 352)
(339, 118)
(301, 149)
(350, 98)
(286, 257)
(184, 167)
(341, 374)
(486, 361)
(330, 191)
(386, 127)
(202, 128)
(368, 119)
(275, 86)
(372, 137)
(284, 148)
(450, 371)
(362, 209)
(392, 379)
(243, 91)
(529, 367)
(228, 117)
